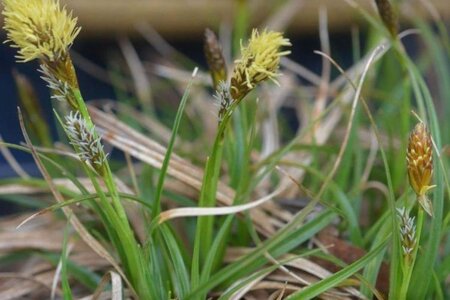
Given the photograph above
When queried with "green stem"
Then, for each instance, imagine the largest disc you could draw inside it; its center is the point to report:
(240, 24)
(204, 229)
(116, 219)
(107, 176)
(209, 189)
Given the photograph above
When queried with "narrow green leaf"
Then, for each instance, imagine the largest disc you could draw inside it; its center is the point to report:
(67, 292)
(165, 165)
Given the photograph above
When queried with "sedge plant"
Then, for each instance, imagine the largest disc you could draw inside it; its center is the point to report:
(238, 204)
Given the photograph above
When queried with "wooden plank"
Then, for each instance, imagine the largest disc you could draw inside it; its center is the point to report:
(190, 17)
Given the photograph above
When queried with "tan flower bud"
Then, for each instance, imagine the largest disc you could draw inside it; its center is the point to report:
(388, 16)
(214, 58)
(419, 160)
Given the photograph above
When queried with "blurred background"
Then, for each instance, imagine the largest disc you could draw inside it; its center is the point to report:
(154, 32)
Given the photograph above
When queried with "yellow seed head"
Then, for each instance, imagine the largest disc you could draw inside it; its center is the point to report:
(259, 61)
(420, 159)
(39, 28)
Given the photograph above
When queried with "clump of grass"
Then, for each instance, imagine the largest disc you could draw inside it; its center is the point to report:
(233, 211)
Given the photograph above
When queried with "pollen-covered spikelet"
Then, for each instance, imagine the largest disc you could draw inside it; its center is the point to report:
(419, 160)
(89, 147)
(214, 58)
(39, 29)
(259, 61)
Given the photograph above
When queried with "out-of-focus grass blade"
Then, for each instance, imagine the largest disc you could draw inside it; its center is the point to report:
(279, 244)
(86, 277)
(67, 292)
(181, 279)
(33, 110)
(322, 286)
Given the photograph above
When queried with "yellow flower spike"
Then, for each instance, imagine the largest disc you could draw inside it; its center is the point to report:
(40, 29)
(419, 158)
(259, 61)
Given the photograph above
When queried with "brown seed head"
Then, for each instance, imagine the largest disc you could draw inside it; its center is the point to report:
(214, 58)
(388, 16)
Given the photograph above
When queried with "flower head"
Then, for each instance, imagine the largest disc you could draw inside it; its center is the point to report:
(419, 159)
(39, 28)
(259, 61)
